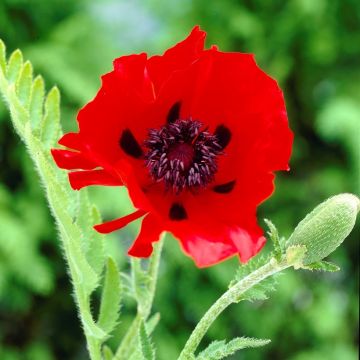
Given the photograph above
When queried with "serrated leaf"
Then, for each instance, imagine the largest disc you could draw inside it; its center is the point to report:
(152, 322)
(146, 346)
(50, 126)
(92, 241)
(2, 57)
(260, 291)
(96, 250)
(322, 266)
(140, 281)
(19, 115)
(246, 269)
(219, 349)
(90, 328)
(37, 102)
(71, 233)
(107, 353)
(14, 66)
(136, 355)
(24, 84)
(274, 237)
(110, 298)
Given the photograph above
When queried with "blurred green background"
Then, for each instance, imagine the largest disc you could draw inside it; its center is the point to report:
(312, 49)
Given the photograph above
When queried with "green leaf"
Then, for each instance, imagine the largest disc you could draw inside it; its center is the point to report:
(146, 346)
(152, 323)
(219, 349)
(111, 298)
(58, 200)
(274, 237)
(92, 241)
(24, 84)
(141, 280)
(19, 115)
(90, 328)
(2, 57)
(246, 269)
(107, 353)
(14, 66)
(37, 102)
(322, 266)
(260, 291)
(50, 127)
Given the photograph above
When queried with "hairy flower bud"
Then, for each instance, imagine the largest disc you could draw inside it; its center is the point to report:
(326, 227)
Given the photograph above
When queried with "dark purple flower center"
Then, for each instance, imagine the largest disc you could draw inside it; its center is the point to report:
(182, 154)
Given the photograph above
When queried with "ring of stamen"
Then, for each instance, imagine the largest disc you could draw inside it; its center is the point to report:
(182, 155)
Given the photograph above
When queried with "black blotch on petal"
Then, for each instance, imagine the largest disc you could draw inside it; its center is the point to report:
(174, 113)
(129, 144)
(224, 135)
(224, 188)
(177, 212)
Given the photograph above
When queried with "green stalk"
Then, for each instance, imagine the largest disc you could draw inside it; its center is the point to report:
(231, 296)
(129, 341)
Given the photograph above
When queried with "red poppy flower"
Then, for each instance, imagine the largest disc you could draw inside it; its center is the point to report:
(195, 135)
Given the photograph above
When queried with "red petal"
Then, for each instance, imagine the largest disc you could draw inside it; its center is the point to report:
(160, 67)
(216, 242)
(71, 140)
(80, 179)
(117, 224)
(66, 159)
(131, 69)
(150, 232)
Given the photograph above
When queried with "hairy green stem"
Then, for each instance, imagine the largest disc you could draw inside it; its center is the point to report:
(93, 344)
(229, 297)
(129, 341)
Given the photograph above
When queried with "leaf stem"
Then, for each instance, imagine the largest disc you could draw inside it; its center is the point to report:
(230, 296)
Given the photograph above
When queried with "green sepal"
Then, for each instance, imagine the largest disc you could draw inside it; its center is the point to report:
(295, 256)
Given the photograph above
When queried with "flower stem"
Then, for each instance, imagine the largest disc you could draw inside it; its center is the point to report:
(230, 296)
(129, 341)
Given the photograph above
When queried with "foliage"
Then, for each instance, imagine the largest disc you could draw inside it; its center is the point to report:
(219, 349)
(310, 47)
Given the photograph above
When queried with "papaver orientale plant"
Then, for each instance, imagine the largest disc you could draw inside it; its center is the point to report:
(195, 135)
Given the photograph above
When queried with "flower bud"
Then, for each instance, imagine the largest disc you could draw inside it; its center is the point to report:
(326, 227)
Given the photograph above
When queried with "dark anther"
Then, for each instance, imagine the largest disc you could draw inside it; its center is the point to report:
(129, 144)
(224, 135)
(224, 188)
(177, 212)
(174, 113)
(182, 154)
